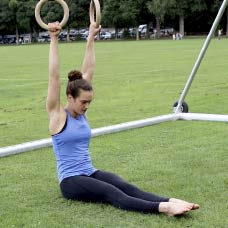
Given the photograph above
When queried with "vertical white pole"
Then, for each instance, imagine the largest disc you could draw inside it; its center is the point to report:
(201, 55)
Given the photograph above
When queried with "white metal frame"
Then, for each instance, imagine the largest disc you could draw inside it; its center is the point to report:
(5, 151)
(176, 115)
(196, 116)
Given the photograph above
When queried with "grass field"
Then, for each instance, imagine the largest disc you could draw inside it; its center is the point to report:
(133, 80)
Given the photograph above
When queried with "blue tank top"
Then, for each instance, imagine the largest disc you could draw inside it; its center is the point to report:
(71, 148)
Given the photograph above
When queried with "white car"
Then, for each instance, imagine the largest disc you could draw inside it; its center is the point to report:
(105, 35)
(142, 28)
(41, 39)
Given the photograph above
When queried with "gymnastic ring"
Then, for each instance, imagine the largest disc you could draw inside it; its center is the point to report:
(94, 4)
(39, 20)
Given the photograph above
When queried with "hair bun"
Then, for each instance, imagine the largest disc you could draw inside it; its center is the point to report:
(74, 75)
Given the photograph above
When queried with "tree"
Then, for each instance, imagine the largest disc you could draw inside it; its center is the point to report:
(119, 14)
(180, 8)
(17, 16)
(143, 16)
(30, 24)
(159, 8)
(14, 6)
(186, 7)
(6, 16)
(215, 7)
(79, 14)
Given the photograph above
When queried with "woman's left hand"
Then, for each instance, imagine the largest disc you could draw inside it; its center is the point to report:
(93, 30)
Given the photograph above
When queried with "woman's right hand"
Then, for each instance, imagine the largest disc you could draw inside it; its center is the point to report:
(93, 30)
(54, 29)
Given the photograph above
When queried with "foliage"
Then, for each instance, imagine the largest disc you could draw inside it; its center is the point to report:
(18, 15)
(79, 13)
(159, 7)
(119, 14)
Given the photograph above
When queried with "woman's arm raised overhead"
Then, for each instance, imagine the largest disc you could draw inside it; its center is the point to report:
(89, 59)
(54, 108)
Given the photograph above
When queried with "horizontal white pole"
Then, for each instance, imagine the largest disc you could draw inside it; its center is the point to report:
(200, 116)
(38, 144)
(133, 124)
(24, 147)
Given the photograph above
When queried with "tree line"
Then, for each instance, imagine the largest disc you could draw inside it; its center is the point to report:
(185, 16)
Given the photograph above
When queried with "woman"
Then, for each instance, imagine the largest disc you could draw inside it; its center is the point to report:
(78, 178)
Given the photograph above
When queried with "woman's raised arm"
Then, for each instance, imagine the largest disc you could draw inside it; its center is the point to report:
(54, 108)
(53, 96)
(89, 59)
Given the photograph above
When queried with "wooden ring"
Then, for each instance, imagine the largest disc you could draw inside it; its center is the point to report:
(94, 4)
(39, 20)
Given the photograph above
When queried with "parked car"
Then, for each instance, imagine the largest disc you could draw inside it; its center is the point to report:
(40, 39)
(119, 35)
(105, 35)
(26, 38)
(84, 35)
(132, 32)
(74, 32)
(63, 36)
(44, 37)
(9, 39)
(1, 40)
(142, 28)
(167, 31)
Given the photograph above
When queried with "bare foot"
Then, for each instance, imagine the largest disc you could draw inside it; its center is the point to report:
(172, 209)
(193, 205)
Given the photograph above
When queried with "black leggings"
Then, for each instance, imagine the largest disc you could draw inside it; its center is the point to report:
(109, 188)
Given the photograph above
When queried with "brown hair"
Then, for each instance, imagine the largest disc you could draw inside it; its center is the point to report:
(75, 83)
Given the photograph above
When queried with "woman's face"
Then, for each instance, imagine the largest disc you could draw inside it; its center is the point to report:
(80, 104)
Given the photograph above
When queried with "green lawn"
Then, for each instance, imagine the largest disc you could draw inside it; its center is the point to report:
(133, 80)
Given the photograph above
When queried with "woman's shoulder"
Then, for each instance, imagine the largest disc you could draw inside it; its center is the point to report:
(57, 121)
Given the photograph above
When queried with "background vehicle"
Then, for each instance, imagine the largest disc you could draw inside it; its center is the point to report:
(142, 28)
(105, 35)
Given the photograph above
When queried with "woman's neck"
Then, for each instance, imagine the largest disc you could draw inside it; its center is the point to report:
(72, 113)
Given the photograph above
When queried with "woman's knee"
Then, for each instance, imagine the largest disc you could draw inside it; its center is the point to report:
(69, 196)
